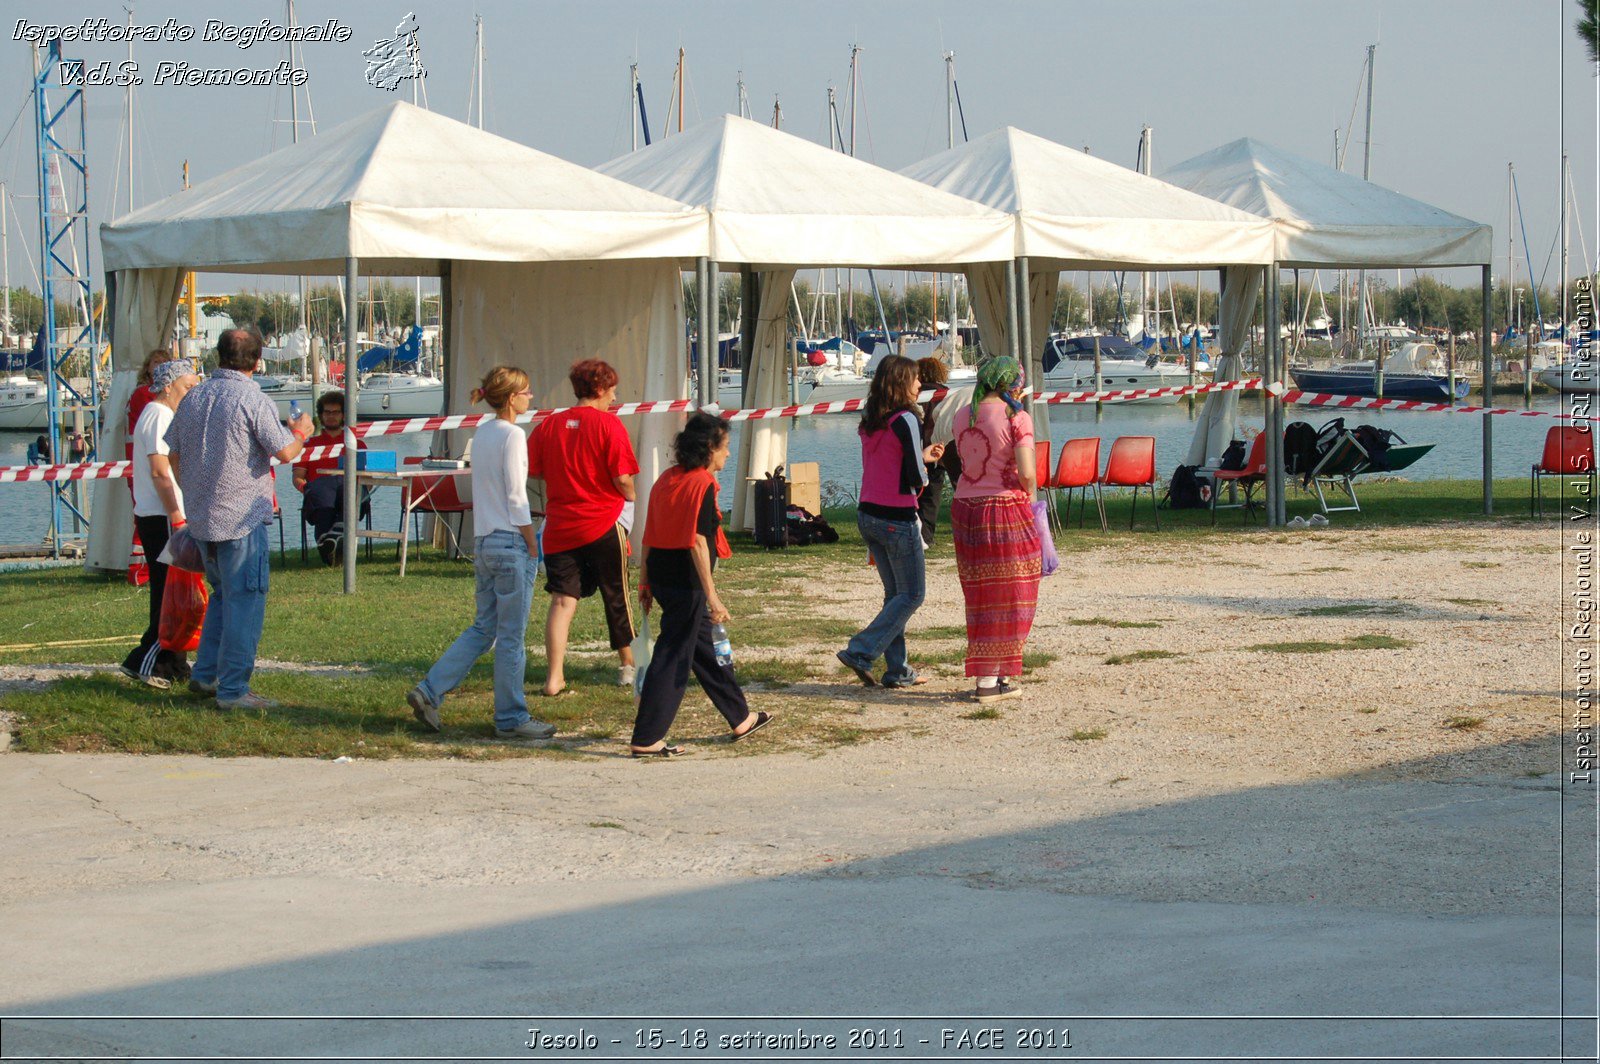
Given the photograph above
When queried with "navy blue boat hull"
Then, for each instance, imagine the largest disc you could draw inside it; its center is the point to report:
(1395, 385)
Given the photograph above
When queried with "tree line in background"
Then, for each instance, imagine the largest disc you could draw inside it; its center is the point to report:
(1422, 303)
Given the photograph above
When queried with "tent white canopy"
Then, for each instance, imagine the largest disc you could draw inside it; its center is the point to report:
(401, 189)
(545, 262)
(1326, 218)
(778, 200)
(1074, 211)
(778, 203)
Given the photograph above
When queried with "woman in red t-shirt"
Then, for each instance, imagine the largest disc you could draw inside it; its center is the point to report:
(586, 461)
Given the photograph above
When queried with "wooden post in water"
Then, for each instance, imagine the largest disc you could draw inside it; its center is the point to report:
(1377, 366)
(1450, 365)
(1527, 372)
(1099, 408)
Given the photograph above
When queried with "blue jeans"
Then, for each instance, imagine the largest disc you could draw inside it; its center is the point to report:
(237, 572)
(505, 572)
(896, 548)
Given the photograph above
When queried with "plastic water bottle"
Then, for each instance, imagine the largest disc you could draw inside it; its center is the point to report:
(721, 644)
(294, 409)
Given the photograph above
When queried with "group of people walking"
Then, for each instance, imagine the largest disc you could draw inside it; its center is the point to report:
(585, 462)
(202, 458)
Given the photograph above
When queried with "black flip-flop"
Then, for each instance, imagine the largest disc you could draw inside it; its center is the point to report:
(762, 720)
(860, 670)
(666, 751)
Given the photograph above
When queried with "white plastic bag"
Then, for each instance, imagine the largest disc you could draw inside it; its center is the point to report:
(643, 644)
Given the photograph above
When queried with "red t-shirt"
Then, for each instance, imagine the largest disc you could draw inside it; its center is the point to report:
(142, 397)
(318, 467)
(578, 453)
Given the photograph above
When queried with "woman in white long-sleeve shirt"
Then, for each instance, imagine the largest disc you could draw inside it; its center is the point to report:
(504, 561)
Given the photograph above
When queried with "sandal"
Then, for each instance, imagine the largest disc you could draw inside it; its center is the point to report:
(663, 751)
(762, 720)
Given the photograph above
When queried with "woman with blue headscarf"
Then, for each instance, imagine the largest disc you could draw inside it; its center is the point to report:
(991, 522)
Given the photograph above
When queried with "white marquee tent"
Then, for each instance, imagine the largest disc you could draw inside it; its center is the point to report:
(1323, 218)
(543, 261)
(1076, 212)
(778, 203)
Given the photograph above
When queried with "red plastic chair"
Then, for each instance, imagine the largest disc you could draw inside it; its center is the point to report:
(1132, 464)
(437, 495)
(1079, 467)
(1251, 477)
(1568, 452)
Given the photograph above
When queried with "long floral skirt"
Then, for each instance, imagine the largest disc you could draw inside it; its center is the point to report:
(997, 556)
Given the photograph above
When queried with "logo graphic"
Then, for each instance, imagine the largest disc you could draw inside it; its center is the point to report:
(392, 61)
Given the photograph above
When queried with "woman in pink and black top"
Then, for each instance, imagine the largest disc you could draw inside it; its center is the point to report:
(892, 475)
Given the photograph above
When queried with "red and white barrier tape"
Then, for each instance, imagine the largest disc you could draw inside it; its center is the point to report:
(1414, 406)
(405, 426)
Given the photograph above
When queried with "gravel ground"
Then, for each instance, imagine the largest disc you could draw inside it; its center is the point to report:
(1220, 773)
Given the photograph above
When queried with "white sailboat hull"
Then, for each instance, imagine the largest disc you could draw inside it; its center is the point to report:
(399, 395)
(1568, 378)
(1076, 376)
(23, 405)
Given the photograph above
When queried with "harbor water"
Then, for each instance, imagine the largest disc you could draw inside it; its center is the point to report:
(830, 440)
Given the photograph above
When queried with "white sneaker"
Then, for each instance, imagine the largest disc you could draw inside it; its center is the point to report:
(1299, 522)
(625, 676)
(1318, 521)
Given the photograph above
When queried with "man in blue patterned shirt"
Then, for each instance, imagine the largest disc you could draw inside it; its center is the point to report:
(224, 436)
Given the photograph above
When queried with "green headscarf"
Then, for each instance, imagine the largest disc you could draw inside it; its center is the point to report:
(998, 376)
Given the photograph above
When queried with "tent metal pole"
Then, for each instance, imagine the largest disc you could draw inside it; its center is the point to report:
(1486, 353)
(702, 297)
(1025, 343)
(352, 386)
(1013, 347)
(711, 351)
(1269, 338)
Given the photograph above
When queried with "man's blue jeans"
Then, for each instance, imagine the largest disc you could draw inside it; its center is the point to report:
(237, 572)
(896, 548)
(505, 572)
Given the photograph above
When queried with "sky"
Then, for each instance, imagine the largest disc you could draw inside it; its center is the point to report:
(1462, 87)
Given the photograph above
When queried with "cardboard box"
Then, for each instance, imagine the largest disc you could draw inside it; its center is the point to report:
(805, 486)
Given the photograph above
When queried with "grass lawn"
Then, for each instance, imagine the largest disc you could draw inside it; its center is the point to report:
(350, 660)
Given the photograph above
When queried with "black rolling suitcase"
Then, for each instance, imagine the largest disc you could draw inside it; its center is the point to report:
(772, 507)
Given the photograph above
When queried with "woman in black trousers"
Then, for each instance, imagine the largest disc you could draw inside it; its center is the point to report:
(683, 530)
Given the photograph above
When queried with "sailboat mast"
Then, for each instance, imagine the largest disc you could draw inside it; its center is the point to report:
(949, 142)
(128, 100)
(681, 80)
(1366, 175)
(477, 52)
(1511, 239)
(855, 93)
(633, 92)
(1565, 249)
(1146, 135)
(5, 265)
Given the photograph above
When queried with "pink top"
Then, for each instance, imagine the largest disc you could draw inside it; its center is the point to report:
(987, 442)
(891, 464)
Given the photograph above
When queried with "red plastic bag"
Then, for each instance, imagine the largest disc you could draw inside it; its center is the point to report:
(183, 610)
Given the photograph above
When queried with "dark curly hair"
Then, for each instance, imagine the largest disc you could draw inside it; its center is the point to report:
(590, 377)
(701, 435)
(327, 399)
